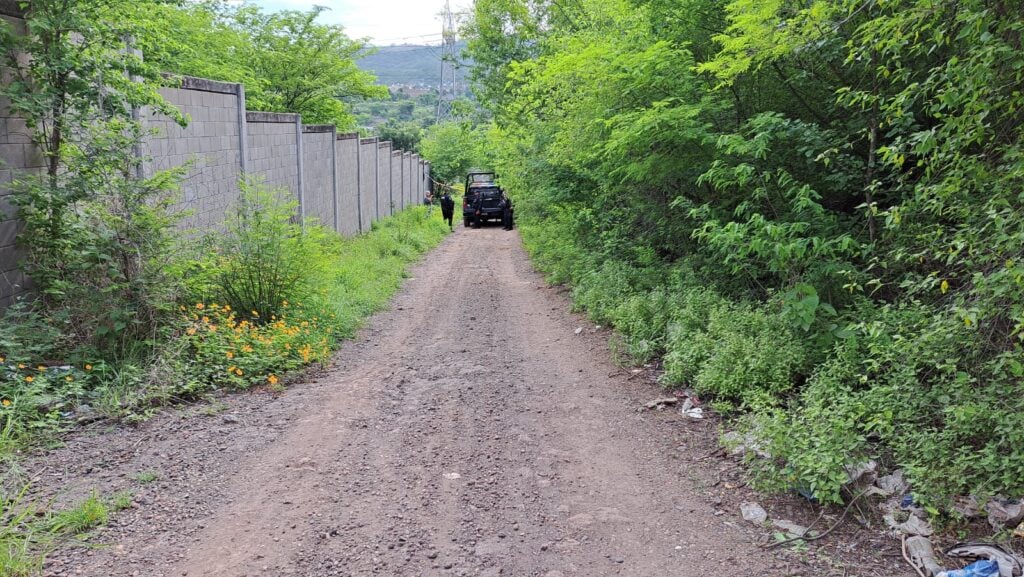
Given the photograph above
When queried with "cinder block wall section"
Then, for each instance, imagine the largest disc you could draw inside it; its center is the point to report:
(347, 151)
(396, 180)
(210, 146)
(417, 182)
(368, 181)
(274, 139)
(319, 174)
(17, 154)
(384, 179)
(407, 179)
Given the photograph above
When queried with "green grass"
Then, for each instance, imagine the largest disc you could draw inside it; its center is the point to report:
(147, 477)
(29, 532)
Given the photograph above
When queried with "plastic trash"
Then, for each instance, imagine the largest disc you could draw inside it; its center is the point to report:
(1007, 564)
(984, 568)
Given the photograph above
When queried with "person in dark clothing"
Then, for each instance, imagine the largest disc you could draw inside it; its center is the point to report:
(478, 208)
(507, 212)
(448, 209)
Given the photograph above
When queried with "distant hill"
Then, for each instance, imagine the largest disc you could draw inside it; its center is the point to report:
(410, 64)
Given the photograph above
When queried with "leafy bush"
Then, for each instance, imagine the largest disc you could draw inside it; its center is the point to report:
(264, 258)
(735, 353)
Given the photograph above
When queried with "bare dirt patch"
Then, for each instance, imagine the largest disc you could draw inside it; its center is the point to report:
(467, 431)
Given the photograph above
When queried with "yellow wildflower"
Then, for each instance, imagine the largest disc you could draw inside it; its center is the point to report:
(88, 367)
(190, 331)
(2, 359)
(200, 306)
(69, 378)
(7, 402)
(232, 368)
(944, 287)
(238, 372)
(270, 378)
(255, 314)
(21, 365)
(246, 349)
(40, 368)
(206, 320)
(29, 379)
(230, 355)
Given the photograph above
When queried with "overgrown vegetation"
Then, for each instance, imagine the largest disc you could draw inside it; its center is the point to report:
(810, 211)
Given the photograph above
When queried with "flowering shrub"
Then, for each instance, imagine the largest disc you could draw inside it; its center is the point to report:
(34, 396)
(239, 350)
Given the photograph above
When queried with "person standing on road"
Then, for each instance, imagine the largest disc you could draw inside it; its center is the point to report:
(448, 209)
(506, 213)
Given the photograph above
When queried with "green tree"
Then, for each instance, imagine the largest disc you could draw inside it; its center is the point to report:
(452, 149)
(403, 135)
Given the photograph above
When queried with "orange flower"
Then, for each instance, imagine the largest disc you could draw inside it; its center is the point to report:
(190, 331)
(206, 320)
(229, 355)
(232, 368)
(270, 378)
(29, 379)
(200, 306)
(21, 365)
(88, 367)
(2, 359)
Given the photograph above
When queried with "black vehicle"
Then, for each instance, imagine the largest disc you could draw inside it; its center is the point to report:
(482, 201)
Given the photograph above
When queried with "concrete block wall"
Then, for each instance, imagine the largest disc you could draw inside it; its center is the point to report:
(273, 145)
(396, 180)
(417, 182)
(210, 147)
(17, 153)
(319, 174)
(368, 181)
(347, 151)
(384, 179)
(407, 179)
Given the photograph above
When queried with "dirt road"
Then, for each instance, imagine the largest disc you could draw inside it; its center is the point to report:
(469, 431)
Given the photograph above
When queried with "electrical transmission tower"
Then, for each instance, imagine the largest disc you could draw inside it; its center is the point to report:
(448, 89)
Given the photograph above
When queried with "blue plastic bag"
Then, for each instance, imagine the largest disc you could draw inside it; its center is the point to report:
(984, 568)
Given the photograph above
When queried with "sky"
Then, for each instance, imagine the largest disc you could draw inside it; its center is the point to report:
(385, 22)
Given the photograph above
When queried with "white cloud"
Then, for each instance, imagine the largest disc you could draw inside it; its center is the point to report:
(384, 21)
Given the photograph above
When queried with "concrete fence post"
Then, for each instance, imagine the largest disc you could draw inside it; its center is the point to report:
(376, 181)
(334, 177)
(359, 184)
(298, 155)
(243, 131)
